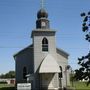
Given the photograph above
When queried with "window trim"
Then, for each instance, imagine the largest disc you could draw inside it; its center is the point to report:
(45, 44)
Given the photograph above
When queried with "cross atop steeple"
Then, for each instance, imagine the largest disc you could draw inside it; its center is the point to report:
(42, 3)
(42, 18)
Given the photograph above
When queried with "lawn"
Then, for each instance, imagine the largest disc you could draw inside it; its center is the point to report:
(6, 87)
(81, 86)
(76, 86)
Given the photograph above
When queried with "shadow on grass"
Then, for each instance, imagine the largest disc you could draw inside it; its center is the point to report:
(7, 88)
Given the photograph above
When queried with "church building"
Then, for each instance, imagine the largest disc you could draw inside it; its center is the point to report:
(42, 60)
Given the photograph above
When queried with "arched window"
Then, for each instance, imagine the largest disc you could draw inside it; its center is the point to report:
(44, 44)
(24, 73)
(60, 74)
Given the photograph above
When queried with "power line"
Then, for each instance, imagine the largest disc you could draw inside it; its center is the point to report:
(32, 47)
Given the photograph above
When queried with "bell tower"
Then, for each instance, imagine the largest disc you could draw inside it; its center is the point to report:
(42, 19)
(43, 38)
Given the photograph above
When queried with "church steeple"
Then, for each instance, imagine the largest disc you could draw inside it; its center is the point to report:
(42, 18)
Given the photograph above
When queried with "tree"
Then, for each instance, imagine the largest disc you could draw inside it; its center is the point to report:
(84, 71)
(10, 74)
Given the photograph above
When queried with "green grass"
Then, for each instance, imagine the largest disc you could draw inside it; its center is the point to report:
(81, 86)
(6, 87)
(77, 86)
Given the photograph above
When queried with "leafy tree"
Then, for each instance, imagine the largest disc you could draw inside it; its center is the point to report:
(10, 74)
(84, 71)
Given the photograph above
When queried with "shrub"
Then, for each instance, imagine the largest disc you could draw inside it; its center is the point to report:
(3, 82)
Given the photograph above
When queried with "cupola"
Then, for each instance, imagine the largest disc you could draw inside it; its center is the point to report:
(42, 14)
(42, 19)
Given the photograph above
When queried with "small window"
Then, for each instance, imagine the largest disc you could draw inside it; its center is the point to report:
(24, 73)
(44, 44)
(60, 74)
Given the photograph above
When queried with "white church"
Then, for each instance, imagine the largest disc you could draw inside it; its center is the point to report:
(46, 64)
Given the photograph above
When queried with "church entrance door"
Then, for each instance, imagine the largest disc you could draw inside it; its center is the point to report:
(46, 80)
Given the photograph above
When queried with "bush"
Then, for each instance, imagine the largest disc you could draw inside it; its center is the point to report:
(7, 88)
(3, 82)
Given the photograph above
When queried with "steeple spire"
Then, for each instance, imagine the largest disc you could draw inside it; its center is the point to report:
(42, 18)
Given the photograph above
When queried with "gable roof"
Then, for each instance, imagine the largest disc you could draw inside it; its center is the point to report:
(59, 51)
(62, 52)
(28, 47)
(49, 65)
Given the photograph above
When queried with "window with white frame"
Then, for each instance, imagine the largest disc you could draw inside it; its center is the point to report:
(45, 44)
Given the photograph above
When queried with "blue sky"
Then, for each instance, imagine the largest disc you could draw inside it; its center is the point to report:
(17, 20)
